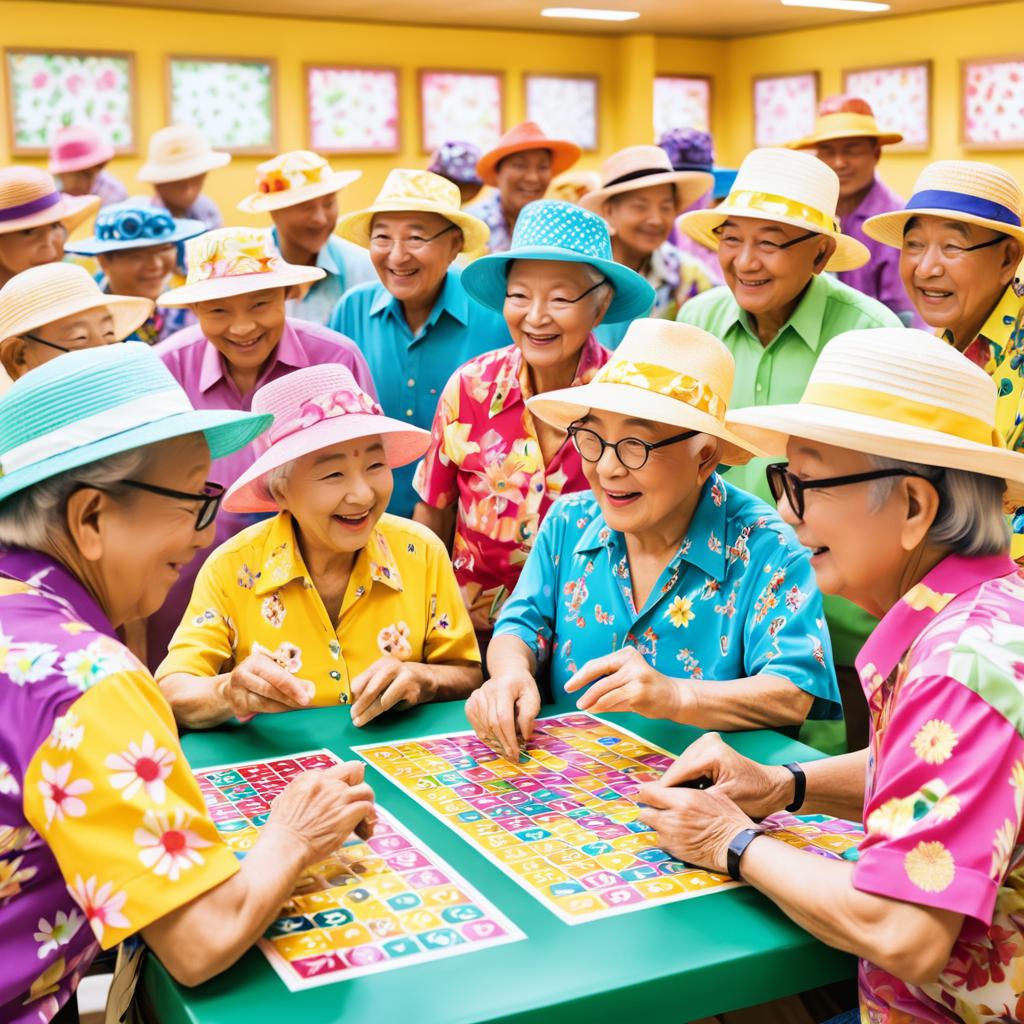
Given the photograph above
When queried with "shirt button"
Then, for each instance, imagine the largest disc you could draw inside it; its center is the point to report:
(411, 383)
(759, 388)
(408, 412)
(335, 675)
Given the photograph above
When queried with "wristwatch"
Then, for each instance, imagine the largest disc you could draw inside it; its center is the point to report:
(799, 787)
(737, 848)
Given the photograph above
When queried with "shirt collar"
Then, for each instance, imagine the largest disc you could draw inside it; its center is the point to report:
(327, 259)
(998, 328)
(288, 353)
(452, 300)
(806, 319)
(512, 383)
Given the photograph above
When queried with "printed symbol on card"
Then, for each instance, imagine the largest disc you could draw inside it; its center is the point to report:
(336, 918)
(441, 938)
(288, 926)
(404, 901)
(401, 947)
(363, 955)
(465, 912)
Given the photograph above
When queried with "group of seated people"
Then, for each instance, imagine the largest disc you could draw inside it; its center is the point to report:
(438, 484)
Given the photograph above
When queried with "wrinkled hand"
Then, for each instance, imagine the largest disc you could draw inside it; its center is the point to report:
(321, 809)
(624, 681)
(258, 685)
(389, 683)
(503, 710)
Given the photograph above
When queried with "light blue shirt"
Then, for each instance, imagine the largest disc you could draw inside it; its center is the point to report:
(738, 599)
(410, 371)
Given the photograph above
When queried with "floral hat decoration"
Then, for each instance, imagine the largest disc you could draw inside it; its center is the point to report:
(293, 178)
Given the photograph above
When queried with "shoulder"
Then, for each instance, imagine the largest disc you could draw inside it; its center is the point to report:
(358, 298)
(407, 537)
(244, 545)
(317, 339)
(709, 309)
(856, 306)
(571, 514)
(177, 344)
(487, 365)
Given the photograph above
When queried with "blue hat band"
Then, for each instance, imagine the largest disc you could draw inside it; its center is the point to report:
(959, 202)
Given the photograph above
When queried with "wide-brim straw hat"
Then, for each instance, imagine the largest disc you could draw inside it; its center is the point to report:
(78, 149)
(407, 191)
(179, 152)
(98, 402)
(867, 394)
(522, 139)
(664, 372)
(549, 229)
(845, 124)
(293, 178)
(134, 224)
(786, 186)
(637, 167)
(53, 291)
(234, 261)
(29, 199)
(963, 190)
(315, 408)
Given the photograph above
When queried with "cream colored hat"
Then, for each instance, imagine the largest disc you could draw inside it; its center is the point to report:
(41, 295)
(234, 261)
(662, 371)
(643, 167)
(965, 190)
(410, 191)
(787, 186)
(29, 199)
(179, 152)
(293, 178)
(867, 393)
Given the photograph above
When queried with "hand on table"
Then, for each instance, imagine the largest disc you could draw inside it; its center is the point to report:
(503, 710)
(386, 684)
(624, 681)
(258, 685)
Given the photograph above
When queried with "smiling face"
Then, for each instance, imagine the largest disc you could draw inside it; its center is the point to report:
(144, 271)
(412, 252)
(307, 226)
(642, 219)
(32, 247)
(244, 329)
(522, 178)
(853, 160)
(178, 196)
(88, 329)
(80, 183)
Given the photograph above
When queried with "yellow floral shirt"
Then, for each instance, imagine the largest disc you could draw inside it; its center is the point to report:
(255, 595)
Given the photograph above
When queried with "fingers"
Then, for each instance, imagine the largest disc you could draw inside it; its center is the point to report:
(246, 704)
(351, 773)
(377, 678)
(600, 690)
(703, 757)
(528, 710)
(659, 797)
(503, 723)
(598, 667)
(265, 678)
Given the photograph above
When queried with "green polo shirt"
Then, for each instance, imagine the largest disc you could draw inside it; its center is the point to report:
(777, 373)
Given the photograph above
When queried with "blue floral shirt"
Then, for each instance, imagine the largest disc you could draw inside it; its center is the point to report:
(738, 599)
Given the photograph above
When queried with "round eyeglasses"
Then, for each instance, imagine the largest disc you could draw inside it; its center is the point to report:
(630, 451)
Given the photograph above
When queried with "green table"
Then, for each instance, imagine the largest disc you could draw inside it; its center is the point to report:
(669, 963)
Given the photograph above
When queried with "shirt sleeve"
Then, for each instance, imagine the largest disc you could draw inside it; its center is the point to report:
(450, 634)
(436, 480)
(945, 811)
(114, 799)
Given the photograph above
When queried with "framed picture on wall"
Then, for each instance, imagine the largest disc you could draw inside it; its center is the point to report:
(565, 106)
(52, 89)
(993, 114)
(352, 109)
(460, 105)
(230, 100)
(901, 97)
(682, 101)
(785, 107)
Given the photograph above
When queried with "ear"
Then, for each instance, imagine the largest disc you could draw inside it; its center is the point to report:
(709, 456)
(295, 291)
(86, 514)
(455, 243)
(12, 356)
(1012, 253)
(826, 247)
(922, 506)
(103, 260)
(608, 294)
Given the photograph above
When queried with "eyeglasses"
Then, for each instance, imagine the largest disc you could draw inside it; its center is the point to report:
(52, 344)
(764, 246)
(211, 498)
(518, 299)
(781, 481)
(630, 451)
(915, 249)
(414, 243)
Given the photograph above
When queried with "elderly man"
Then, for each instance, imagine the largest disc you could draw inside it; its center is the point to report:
(300, 192)
(775, 233)
(848, 139)
(416, 326)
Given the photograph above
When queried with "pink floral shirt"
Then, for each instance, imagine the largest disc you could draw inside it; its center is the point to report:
(944, 677)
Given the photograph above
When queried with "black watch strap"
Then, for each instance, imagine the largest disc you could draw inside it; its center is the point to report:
(737, 848)
(799, 787)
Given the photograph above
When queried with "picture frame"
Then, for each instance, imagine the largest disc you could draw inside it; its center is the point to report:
(353, 109)
(682, 101)
(460, 104)
(785, 107)
(901, 98)
(987, 83)
(566, 106)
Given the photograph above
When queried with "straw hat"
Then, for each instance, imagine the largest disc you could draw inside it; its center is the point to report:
(78, 149)
(664, 372)
(134, 224)
(521, 139)
(867, 393)
(234, 261)
(965, 190)
(43, 294)
(845, 117)
(99, 402)
(29, 199)
(412, 191)
(179, 152)
(572, 186)
(293, 178)
(787, 187)
(315, 408)
(644, 167)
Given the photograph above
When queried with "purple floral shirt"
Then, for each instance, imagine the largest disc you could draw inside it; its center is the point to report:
(489, 210)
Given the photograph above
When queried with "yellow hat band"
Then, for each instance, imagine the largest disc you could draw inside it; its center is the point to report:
(662, 381)
(845, 121)
(778, 206)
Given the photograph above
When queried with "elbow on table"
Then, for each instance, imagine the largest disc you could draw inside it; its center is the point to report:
(914, 958)
(193, 966)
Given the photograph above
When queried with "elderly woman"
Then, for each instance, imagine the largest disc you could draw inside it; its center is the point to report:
(104, 832)
(331, 601)
(901, 503)
(78, 160)
(666, 591)
(492, 470)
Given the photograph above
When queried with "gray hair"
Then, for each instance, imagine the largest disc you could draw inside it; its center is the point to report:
(970, 520)
(35, 517)
(277, 476)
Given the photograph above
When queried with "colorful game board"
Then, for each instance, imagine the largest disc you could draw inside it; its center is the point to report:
(372, 906)
(563, 822)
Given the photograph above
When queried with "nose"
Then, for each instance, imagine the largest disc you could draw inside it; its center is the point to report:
(929, 263)
(538, 312)
(242, 328)
(747, 257)
(358, 492)
(204, 538)
(608, 464)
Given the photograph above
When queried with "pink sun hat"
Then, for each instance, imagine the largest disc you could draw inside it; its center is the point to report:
(77, 149)
(315, 408)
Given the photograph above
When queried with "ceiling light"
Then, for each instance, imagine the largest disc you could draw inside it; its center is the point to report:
(838, 5)
(589, 14)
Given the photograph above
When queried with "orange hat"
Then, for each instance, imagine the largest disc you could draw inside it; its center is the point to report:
(845, 117)
(524, 137)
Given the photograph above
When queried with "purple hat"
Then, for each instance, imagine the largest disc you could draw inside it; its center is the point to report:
(693, 150)
(456, 161)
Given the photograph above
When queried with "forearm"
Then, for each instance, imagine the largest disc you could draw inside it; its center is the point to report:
(440, 520)
(835, 785)
(756, 702)
(508, 655)
(449, 682)
(199, 702)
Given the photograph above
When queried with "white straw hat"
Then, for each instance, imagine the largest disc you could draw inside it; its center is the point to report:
(638, 167)
(293, 178)
(179, 152)
(867, 393)
(787, 186)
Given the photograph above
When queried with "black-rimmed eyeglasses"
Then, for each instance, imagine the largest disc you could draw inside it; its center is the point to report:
(630, 451)
(52, 344)
(210, 499)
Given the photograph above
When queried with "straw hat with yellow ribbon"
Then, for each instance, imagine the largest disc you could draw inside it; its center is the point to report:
(845, 117)
(293, 178)
(784, 186)
(664, 372)
(867, 394)
(29, 199)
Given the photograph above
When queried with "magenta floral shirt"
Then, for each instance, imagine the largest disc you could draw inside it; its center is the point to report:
(944, 677)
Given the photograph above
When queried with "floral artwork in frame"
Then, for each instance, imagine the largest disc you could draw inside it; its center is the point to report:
(460, 105)
(54, 89)
(993, 108)
(230, 100)
(900, 97)
(681, 102)
(565, 106)
(352, 109)
(785, 107)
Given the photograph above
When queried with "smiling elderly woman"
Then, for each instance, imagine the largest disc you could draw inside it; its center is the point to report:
(896, 482)
(104, 497)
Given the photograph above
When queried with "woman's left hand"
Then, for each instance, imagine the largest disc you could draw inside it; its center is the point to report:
(386, 684)
(624, 681)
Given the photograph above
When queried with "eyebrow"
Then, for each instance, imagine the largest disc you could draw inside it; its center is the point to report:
(774, 229)
(78, 324)
(950, 225)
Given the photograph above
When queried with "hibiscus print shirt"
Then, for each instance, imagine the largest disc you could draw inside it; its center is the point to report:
(102, 826)
(738, 599)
